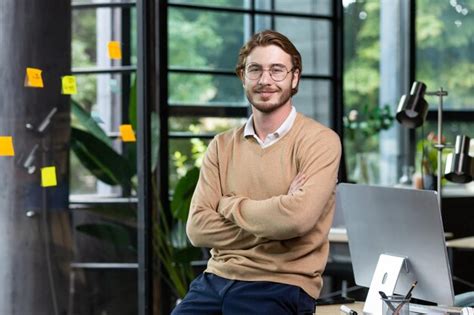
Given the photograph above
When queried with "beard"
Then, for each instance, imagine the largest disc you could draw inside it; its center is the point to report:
(267, 106)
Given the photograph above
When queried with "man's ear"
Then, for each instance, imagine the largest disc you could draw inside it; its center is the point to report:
(242, 77)
(295, 79)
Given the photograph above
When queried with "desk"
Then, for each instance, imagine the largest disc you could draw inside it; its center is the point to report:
(462, 243)
(335, 309)
(461, 254)
(359, 306)
(339, 266)
(339, 235)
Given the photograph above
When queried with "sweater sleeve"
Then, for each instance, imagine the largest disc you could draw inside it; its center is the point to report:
(206, 227)
(288, 216)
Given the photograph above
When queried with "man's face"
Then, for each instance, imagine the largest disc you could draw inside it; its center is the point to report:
(264, 93)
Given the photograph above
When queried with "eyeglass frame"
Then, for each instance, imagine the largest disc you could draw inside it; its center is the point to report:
(269, 71)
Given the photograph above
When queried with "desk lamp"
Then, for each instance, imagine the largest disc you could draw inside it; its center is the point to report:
(412, 111)
(459, 165)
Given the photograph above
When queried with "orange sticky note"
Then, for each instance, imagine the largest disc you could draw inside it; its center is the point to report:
(127, 133)
(33, 78)
(115, 51)
(69, 85)
(48, 176)
(6, 146)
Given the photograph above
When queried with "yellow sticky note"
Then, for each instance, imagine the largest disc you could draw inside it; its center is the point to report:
(115, 51)
(127, 133)
(6, 146)
(34, 78)
(48, 176)
(69, 85)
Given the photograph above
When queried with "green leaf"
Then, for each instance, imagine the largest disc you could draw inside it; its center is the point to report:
(185, 255)
(183, 193)
(155, 140)
(132, 108)
(113, 233)
(86, 121)
(130, 154)
(100, 159)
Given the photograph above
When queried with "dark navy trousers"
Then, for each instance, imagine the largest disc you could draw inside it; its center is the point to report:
(210, 294)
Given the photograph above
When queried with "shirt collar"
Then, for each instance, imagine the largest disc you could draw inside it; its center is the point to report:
(280, 132)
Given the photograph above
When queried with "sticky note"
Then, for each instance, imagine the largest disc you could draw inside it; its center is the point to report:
(127, 133)
(48, 176)
(33, 78)
(115, 51)
(69, 85)
(6, 146)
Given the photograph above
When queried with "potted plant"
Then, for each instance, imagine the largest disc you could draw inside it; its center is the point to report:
(427, 161)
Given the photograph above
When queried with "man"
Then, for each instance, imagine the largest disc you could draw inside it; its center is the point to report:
(265, 197)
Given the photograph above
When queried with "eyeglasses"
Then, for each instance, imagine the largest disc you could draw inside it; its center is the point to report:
(277, 72)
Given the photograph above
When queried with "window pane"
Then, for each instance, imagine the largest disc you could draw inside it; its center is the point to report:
(322, 7)
(103, 94)
(313, 39)
(83, 38)
(450, 130)
(445, 54)
(361, 90)
(184, 154)
(81, 181)
(314, 99)
(205, 89)
(217, 3)
(204, 39)
(93, 26)
(204, 124)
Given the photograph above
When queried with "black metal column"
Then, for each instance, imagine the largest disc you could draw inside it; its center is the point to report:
(337, 86)
(162, 108)
(145, 101)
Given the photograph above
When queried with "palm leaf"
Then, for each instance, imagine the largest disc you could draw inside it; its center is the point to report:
(89, 124)
(100, 159)
(183, 193)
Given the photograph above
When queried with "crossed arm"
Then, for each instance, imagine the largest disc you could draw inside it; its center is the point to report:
(292, 215)
(237, 222)
(205, 226)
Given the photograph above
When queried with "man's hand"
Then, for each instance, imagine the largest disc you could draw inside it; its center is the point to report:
(297, 183)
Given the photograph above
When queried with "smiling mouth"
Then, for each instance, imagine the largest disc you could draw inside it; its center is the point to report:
(265, 91)
(266, 94)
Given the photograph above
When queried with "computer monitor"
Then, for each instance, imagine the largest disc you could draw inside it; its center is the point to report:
(400, 222)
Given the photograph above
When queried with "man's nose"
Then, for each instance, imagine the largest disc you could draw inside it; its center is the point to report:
(266, 77)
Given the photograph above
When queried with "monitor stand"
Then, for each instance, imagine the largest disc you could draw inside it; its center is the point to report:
(384, 279)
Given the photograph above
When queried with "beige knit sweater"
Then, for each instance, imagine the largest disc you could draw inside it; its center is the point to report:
(241, 208)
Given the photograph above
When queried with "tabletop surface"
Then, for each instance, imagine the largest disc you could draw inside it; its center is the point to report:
(335, 309)
(464, 243)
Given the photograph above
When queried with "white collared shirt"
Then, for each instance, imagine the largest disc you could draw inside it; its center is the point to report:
(273, 137)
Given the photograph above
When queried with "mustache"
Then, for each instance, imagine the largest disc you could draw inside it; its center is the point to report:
(264, 89)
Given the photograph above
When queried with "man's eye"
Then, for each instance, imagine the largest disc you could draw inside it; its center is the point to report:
(277, 70)
(253, 70)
